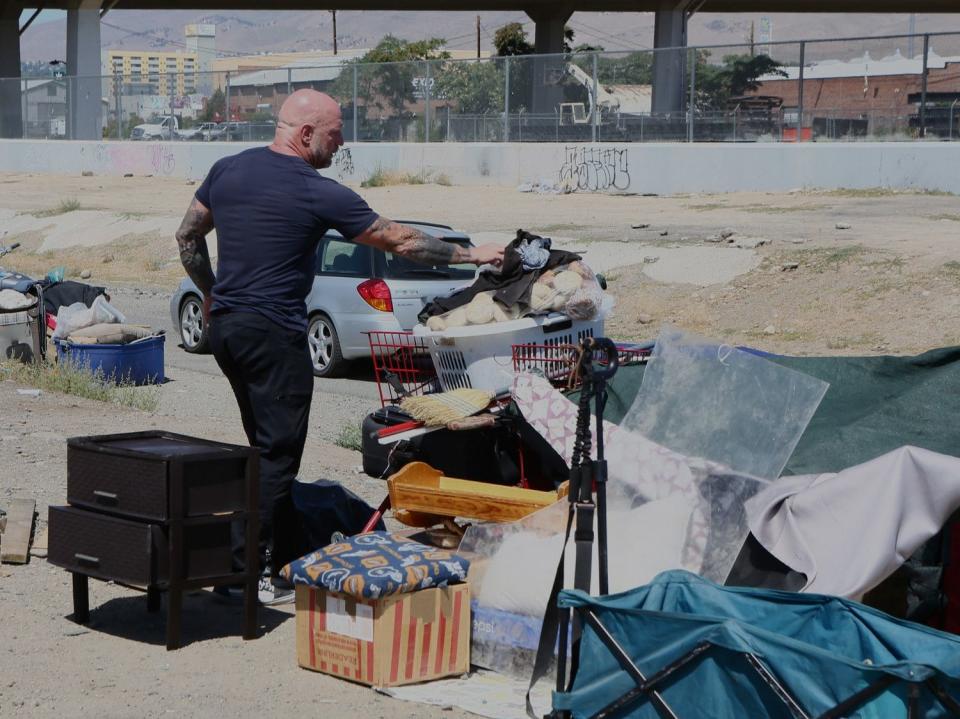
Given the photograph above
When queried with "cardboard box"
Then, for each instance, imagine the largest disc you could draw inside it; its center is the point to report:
(402, 639)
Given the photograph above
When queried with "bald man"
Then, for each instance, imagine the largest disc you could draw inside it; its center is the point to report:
(270, 208)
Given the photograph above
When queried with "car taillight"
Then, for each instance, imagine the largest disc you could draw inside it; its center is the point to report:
(376, 293)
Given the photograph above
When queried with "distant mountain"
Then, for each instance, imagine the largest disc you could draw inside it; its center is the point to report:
(256, 32)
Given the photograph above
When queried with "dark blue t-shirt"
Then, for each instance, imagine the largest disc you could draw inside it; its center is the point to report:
(270, 210)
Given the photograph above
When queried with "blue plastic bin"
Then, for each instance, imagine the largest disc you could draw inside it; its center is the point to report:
(138, 362)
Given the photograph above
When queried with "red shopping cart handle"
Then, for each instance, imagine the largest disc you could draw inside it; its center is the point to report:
(398, 428)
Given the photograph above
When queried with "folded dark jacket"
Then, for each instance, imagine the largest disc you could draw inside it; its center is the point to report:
(512, 285)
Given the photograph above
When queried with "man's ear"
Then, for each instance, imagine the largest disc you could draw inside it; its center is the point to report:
(306, 134)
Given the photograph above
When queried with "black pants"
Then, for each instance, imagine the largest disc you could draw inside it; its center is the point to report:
(271, 374)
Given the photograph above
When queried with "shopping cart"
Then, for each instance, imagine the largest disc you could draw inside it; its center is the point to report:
(558, 362)
(402, 366)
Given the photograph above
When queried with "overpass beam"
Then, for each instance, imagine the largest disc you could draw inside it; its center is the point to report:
(669, 65)
(547, 92)
(85, 91)
(11, 120)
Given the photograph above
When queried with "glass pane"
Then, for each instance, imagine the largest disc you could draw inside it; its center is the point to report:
(345, 258)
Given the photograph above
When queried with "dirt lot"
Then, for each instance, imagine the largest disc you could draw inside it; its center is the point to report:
(838, 273)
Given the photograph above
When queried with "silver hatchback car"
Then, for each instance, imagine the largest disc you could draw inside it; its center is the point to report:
(357, 289)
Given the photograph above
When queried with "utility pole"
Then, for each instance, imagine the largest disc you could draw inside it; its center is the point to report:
(911, 31)
(478, 37)
(751, 39)
(334, 13)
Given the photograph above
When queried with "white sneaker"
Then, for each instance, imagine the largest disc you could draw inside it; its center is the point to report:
(270, 595)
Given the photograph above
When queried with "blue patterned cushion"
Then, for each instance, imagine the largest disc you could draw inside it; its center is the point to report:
(377, 564)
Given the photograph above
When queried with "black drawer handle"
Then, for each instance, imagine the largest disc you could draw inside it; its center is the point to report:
(87, 559)
(108, 496)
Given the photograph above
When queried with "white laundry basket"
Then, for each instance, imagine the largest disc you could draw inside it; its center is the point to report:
(481, 356)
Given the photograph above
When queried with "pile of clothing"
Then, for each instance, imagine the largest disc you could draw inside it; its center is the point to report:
(534, 279)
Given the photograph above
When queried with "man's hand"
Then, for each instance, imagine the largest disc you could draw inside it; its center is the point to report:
(488, 254)
(207, 302)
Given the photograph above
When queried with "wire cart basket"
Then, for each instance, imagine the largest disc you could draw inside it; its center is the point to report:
(558, 362)
(402, 366)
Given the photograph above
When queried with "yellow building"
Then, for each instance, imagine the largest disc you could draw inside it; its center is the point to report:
(161, 71)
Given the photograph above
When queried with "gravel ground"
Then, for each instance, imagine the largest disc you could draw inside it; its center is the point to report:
(857, 272)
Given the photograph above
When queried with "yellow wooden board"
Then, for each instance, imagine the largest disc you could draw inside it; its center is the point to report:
(419, 488)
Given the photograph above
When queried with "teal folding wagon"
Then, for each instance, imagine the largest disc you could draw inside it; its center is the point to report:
(682, 647)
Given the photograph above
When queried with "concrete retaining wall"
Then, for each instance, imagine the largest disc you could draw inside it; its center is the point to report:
(666, 168)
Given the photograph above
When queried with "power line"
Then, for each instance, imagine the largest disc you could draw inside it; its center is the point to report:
(167, 41)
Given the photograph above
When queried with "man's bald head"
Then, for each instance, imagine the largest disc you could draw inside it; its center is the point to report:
(308, 106)
(309, 125)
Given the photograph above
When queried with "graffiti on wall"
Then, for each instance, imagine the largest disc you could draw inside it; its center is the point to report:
(343, 162)
(595, 169)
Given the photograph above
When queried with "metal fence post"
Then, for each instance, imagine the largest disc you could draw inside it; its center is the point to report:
(426, 106)
(923, 91)
(506, 99)
(289, 81)
(693, 90)
(354, 102)
(226, 108)
(170, 88)
(118, 104)
(803, 55)
(594, 131)
(23, 103)
(950, 134)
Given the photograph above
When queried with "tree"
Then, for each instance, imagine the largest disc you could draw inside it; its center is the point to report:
(511, 40)
(716, 84)
(386, 74)
(216, 106)
(475, 87)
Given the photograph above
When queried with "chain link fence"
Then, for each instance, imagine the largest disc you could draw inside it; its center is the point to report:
(892, 88)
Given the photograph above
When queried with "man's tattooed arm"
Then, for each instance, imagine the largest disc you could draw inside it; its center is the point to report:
(191, 238)
(415, 245)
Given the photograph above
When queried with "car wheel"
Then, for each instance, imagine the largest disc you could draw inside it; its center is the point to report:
(324, 346)
(193, 330)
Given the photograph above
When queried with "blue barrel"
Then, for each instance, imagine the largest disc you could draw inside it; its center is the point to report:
(139, 362)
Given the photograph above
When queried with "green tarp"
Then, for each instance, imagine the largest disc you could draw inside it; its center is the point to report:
(874, 405)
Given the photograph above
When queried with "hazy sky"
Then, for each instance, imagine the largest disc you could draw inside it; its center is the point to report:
(45, 16)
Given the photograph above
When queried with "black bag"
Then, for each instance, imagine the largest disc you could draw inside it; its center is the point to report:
(325, 507)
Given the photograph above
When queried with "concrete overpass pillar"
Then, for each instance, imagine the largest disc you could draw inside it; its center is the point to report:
(85, 91)
(11, 121)
(547, 71)
(669, 66)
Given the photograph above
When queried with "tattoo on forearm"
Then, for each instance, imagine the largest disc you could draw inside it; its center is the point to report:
(193, 248)
(416, 246)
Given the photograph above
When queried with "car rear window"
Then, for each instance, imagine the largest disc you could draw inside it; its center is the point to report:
(340, 257)
(396, 267)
